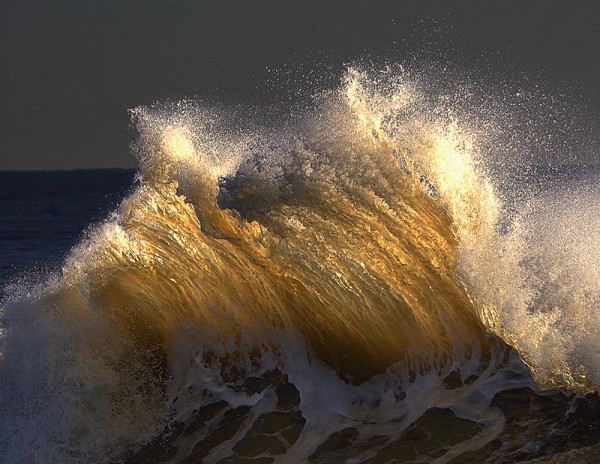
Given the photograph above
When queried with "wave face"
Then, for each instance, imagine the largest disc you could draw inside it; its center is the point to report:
(304, 290)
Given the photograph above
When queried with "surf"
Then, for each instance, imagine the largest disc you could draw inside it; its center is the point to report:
(351, 259)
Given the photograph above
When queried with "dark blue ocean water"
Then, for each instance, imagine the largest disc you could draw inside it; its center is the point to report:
(44, 213)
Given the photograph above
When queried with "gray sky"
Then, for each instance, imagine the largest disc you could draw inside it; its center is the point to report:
(71, 70)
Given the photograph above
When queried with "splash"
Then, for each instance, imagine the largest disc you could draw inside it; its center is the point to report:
(546, 285)
(357, 243)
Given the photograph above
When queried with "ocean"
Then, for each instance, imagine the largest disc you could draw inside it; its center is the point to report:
(370, 278)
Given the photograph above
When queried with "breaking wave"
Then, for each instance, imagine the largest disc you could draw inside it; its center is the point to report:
(321, 276)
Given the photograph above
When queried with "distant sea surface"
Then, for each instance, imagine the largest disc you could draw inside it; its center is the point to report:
(44, 213)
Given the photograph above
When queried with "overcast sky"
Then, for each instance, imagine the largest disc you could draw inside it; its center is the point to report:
(70, 70)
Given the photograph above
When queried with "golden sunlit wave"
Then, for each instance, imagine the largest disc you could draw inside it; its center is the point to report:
(339, 273)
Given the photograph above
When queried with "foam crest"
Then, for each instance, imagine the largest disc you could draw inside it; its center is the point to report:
(553, 322)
